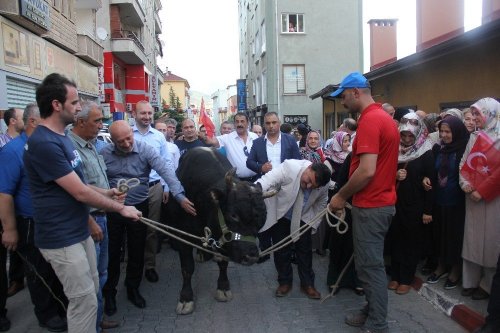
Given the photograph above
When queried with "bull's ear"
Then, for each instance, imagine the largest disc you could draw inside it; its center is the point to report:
(229, 178)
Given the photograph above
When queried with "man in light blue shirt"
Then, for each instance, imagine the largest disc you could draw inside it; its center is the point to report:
(158, 189)
(127, 159)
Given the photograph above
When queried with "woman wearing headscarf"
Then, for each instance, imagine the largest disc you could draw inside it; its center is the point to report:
(480, 180)
(449, 213)
(414, 204)
(341, 249)
(312, 151)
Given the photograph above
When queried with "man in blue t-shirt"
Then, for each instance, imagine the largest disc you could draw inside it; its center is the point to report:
(16, 213)
(61, 199)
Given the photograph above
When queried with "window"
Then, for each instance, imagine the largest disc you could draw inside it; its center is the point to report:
(294, 79)
(263, 38)
(264, 88)
(292, 23)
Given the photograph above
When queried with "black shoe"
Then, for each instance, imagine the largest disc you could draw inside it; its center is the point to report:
(434, 278)
(151, 275)
(467, 292)
(480, 294)
(55, 324)
(109, 305)
(264, 259)
(451, 284)
(4, 323)
(136, 298)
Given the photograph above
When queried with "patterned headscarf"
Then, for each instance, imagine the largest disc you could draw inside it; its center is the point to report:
(490, 109)
(312, 154)
(412, 123)
(334, 148)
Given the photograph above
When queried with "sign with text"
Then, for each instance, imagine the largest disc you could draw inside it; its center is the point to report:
(295, 119)
(153, 92)
(241, 91)
(37, 11)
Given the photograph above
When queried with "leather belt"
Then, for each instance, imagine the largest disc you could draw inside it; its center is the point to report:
(151, 184)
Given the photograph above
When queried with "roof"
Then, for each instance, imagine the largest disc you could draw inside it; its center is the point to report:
(485, 33)
(172, 77)
(325, 92)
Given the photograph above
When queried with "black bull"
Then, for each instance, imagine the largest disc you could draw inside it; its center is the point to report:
(209, 182)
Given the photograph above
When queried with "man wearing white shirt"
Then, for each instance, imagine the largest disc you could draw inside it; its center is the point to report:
(238, 145)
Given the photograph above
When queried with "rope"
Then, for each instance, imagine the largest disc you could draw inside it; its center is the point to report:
(336, 285)
(32, 267)
(305, 227)
(205, 240)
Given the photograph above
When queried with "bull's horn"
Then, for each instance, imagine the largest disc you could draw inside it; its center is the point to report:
(229, 177)
(271, 192)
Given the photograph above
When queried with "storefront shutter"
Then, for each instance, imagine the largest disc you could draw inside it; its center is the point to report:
(20, 93)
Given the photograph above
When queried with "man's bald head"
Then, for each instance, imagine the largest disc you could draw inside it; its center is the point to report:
(122, 136)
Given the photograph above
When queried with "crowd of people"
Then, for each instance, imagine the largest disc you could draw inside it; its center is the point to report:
(412, 187)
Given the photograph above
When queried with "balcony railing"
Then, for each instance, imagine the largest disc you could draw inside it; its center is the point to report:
(89, 50)
(127, 34)
(157, 23)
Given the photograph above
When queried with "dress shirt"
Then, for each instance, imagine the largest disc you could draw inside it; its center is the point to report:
(157, 140)
(4, 138)
(138, 164)
(94, 168)
(274, 151)
(237, 152)
(174, 153)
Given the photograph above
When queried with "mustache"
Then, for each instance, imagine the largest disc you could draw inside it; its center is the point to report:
(240, 126)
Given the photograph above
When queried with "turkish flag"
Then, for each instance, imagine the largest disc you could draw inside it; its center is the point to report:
(482, 167)
(206, 121)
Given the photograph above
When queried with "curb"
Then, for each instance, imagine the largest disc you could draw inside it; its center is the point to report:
(461, 313)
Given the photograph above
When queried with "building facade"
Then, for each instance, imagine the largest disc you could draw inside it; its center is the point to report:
(43, 37)
(180, 88)
(290, 49)
(130, 73)
(108, 47)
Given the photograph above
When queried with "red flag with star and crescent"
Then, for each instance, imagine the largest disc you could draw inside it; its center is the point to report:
(482, 167)
(206, 121)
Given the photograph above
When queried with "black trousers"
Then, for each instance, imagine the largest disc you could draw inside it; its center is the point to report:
(46, 306)
(16, 268)
(136, 241)
(303, 252)
(493, 318)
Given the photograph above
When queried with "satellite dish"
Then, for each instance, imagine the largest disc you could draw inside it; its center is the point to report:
(102, 34)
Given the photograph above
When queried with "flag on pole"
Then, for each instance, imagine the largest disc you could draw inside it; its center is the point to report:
(482, 167)
(206, 121)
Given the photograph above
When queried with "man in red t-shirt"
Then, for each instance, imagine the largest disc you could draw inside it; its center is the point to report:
(372, 178)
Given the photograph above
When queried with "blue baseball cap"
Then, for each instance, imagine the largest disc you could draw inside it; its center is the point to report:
(353, 80)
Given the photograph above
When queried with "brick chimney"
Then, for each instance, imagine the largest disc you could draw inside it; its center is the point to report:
(491, 10)
(438, 21)
(383, 42)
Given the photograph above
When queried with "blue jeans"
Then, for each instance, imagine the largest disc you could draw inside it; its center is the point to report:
(101, 249)
(369, 226)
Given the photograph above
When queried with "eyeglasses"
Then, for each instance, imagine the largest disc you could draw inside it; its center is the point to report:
(245, 151)
(413, 122)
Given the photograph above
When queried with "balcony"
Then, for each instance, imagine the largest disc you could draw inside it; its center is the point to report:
(158, 5)
(128, 48)
(157, 23)
(88, 4)
(131, 12)
(89, 50)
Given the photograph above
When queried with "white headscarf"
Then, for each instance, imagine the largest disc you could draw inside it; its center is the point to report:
(490, 108)
(419, 131)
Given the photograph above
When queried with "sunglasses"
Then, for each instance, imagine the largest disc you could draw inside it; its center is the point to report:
(413, 122)
(245, 151)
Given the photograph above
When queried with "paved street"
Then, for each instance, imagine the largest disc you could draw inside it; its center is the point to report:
(253, 309)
